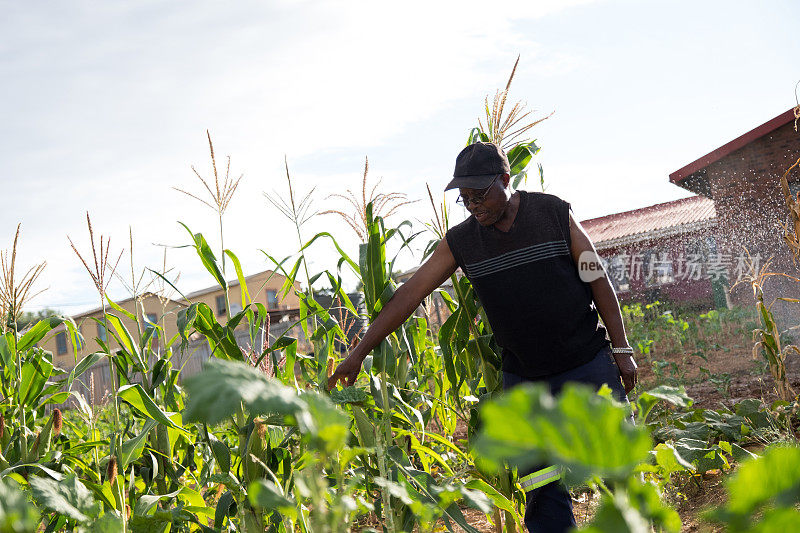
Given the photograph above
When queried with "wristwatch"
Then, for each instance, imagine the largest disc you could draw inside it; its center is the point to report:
(626, 350)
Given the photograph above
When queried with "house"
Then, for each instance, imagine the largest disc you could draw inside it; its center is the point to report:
(742, 178)
(662, 252)
(149, 308)
(696, 250)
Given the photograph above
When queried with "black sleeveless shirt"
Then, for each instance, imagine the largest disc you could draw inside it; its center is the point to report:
(541, 313)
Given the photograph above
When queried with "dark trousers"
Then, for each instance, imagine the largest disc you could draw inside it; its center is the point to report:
(548, 508)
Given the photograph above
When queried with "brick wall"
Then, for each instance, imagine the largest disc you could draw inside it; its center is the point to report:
(684, 290)
(745, 186)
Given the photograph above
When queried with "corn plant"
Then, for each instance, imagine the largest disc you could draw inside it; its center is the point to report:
(247, 446)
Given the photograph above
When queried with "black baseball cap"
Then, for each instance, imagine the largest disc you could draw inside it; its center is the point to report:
(477, 165)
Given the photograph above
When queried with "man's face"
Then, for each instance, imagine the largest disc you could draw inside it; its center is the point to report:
(491, 208)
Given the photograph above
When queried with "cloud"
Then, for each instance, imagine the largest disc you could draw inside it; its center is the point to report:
(111, 102)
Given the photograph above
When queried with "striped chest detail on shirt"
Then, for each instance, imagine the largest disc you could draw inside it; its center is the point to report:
(508, 260)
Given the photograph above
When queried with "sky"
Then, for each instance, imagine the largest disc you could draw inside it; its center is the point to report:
(105, 107)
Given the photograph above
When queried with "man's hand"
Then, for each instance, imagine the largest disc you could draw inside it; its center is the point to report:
(346, 372)
(627, 369)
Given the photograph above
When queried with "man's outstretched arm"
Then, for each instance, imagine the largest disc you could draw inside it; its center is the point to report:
(607, 305)
(405, 300)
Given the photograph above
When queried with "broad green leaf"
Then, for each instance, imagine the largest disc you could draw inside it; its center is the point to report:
(755, 413)
(226, 506)
(125, 339)
(265, 494)
(84, 447)
(693, 430)
(187, 495)
(701, 455)
(282, 343)
(110, 522)
(497, 498)
(775, 476)
(75, 336)
(17, 514)
(83, 365)
(648, 399)
(740, 454)
(132, 449)
(372, 262)
(147, 501)
(68, 497)
(102, 493)
(35, 372)
(520, 156)
(779, 520)
(138, 398)
(114, 305)
(366, 431)
(186, 318)
(207, 257)
(668, 458)
(193, 498)
(674, 395)
(476, 135)
(336, 285)
(424, 452)
(11, 470)
(37, 332)
(159, 522)
(6, 342)
(56, 399)
(221, 453)
(220, 338)
(240, 276)
(325, 425)
(579, 430)
(217, 392)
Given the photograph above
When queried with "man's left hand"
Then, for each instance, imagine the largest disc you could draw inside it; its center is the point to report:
(627, 369)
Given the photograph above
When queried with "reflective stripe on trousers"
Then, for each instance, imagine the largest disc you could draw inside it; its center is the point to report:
(540, 478)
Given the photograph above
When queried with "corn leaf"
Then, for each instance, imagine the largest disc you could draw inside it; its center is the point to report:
(38, 331)
(240, 276)
(207, 257)
(138, 398)
(132, 449)
(68, 497)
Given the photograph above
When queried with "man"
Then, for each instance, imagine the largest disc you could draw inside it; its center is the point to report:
(541, 286)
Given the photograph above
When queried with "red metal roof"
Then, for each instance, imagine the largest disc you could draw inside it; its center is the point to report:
(735, 144)
(638, 223)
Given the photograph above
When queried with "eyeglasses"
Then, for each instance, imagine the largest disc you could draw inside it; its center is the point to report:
(475, 199)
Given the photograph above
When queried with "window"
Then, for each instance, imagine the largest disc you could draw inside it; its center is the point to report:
(151, 322)
(102, 334)
(61, 343)
(221, 305)
(272, 299)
